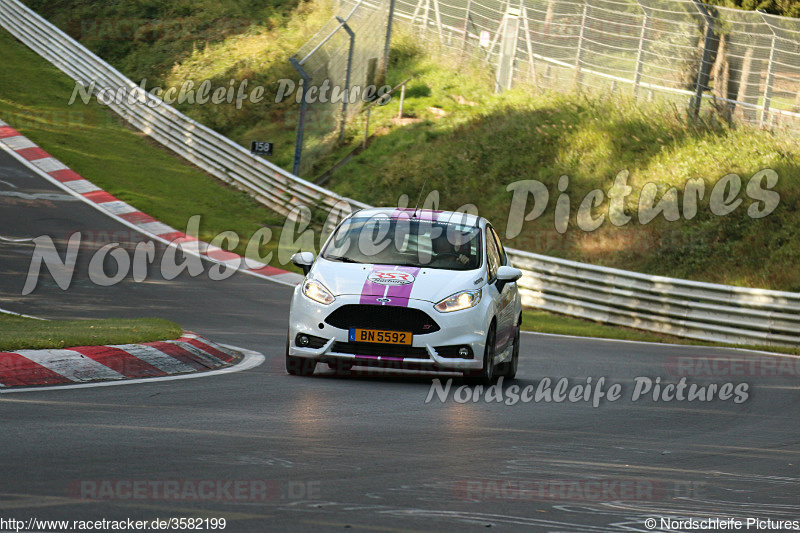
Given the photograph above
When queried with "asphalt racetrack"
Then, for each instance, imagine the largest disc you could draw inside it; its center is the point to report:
(270, 452)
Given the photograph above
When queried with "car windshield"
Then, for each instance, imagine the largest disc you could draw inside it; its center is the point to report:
(406, 241)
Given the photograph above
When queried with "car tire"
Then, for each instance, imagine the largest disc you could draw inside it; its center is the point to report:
(299, 366)
(486, 375)
(509, 369)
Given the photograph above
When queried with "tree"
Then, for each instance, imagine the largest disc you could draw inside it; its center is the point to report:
(787, 8)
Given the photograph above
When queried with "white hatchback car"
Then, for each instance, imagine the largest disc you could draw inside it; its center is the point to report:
(407, 289)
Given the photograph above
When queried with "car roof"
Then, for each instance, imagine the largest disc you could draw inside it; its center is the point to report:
(422, 214)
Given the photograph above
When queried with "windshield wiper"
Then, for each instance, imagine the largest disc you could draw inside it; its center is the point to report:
(342, 259)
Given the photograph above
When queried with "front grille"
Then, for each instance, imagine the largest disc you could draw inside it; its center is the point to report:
(385, 317)
(381, 350)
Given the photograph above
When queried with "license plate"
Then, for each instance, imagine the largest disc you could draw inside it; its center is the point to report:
(380, 336)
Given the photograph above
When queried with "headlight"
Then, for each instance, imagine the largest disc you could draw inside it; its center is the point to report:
(459, 301)
(317, 292)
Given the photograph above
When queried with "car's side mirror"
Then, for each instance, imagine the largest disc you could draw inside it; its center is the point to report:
(303, 260)
(507, 274)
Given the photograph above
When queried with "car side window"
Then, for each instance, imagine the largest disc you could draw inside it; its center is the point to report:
(492, 254)
(501, 251)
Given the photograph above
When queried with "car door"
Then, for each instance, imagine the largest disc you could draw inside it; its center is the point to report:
(507, 297)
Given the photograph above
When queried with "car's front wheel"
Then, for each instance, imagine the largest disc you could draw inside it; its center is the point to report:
(299, 366)
(509, 369)
(486, 375)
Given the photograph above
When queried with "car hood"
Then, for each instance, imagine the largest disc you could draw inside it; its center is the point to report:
(389, 281)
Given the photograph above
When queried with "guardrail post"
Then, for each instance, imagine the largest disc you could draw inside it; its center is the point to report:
(579, 54)
(366, 129)
(347, 76)
(508, 50)
(768, 84)
(382, 100)
(438, 15)
(529, 47)
(467, 20)
(704, 74)
(770, 77)
(301, 119)
(388, 43)
(637, 76)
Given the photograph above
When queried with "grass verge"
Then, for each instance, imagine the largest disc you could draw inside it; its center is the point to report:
(17, 333)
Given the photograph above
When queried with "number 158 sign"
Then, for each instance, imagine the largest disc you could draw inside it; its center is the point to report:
(260, 148)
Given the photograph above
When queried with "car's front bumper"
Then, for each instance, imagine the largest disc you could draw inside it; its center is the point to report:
(460, 328)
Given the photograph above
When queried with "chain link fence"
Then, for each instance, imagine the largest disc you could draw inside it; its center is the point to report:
(743, 64)
(340, 68)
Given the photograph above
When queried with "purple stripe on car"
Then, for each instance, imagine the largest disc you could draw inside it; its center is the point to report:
(388, 294)
(428, 215)
(370, 291)
(384, 358)
(399, 294)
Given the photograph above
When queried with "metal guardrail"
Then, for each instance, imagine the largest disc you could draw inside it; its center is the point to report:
(689, 309)
(696, 310)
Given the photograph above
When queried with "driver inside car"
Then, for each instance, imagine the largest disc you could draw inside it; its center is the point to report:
(444, 250)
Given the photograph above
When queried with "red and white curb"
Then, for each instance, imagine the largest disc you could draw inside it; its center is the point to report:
(50, 168)
(188, 354)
